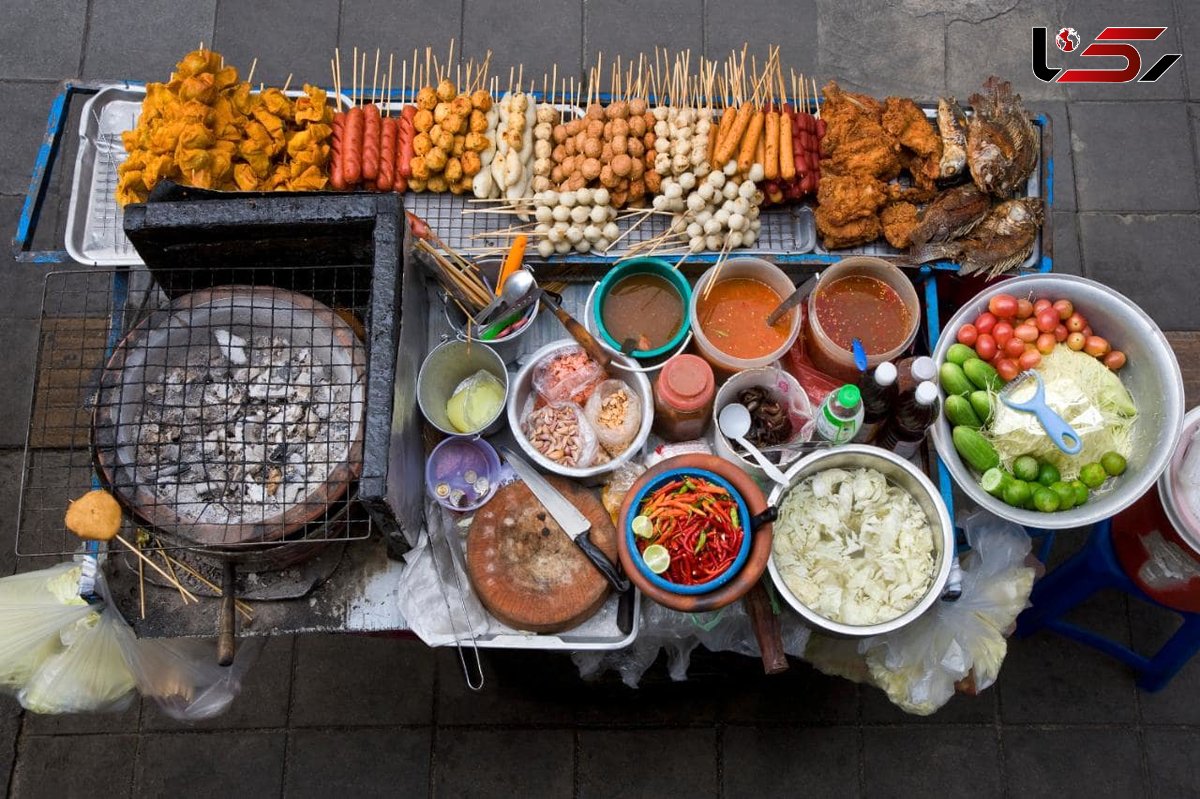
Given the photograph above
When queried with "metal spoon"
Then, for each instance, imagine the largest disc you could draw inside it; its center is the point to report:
(519, 284)
(734, 422)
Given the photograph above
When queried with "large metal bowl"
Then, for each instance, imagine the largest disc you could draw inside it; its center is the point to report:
(1151, 374)
(900, 473)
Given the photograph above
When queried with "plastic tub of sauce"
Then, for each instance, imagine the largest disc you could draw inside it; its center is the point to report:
(644, 299)
(730, 323)
(865, 298)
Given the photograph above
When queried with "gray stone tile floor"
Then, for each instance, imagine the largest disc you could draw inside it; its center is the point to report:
(364, 716)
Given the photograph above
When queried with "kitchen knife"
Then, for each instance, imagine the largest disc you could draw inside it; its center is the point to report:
(569, 518)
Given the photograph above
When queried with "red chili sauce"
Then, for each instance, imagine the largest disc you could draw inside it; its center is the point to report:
(733, 316)
(863, 307)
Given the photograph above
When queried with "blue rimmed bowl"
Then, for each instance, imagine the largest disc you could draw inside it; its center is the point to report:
(650, 486)
(644, 266)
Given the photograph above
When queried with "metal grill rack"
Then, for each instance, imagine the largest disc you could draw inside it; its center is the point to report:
(221, 418)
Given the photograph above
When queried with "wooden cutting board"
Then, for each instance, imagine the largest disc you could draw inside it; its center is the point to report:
(526, 571)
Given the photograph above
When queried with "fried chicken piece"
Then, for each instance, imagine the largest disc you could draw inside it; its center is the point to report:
(842, 111)
(869, 152)
(859, 231)
(845, 198)
(905, 120)
(899, 220)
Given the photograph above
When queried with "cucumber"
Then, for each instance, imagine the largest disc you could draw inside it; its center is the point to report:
(954, 380)
(960, 354)
(994, 480)
(982, 375)
(981, 403)
(974, 449)
(959, 411)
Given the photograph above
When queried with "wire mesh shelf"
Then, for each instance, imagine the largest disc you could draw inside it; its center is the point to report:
(226, 418)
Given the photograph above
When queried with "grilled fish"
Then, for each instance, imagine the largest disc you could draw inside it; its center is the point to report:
(951, 215)
(1001, 142)
(1002, 241)
(952, 127)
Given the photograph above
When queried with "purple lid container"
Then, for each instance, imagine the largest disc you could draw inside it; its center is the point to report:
(458, 464)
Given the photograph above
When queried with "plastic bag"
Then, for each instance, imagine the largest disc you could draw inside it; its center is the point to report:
(476, 401)
(615, 419)
(183, 677)
(35, 607)
(567, 374)
(562, 433)
(919, 666)
(1187, 479)
(619, 482)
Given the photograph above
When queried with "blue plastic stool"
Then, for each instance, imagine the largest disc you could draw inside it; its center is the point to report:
(1093, 569)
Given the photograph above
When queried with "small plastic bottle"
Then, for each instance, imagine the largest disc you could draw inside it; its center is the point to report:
(840, 415)
(905, 431)
(879, 392)
(914, 370)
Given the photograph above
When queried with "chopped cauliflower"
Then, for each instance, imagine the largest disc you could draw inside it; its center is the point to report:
(854, 548)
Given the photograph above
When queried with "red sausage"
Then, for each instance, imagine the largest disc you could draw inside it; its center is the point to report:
(409, 114)
(352, 147)
(404, 162)
(337, 179)
(387, 155)
(372, 129)
(401, 185)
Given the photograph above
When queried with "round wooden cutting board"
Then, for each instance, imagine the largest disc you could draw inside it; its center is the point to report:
(523, 567)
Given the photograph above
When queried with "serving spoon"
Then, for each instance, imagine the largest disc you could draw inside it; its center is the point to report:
(515, 287)
(734, 422)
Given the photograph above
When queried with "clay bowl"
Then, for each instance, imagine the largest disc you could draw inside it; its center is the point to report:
(760, 543)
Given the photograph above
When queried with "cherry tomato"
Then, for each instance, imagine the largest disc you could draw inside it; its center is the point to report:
(1024, 309)
(967, 334)
(1061, 333)
(985, 346)
(1076, 341)
(1003, 306)
(1014, 347)
(1042, 303)
(1029, 360)
(1087, 331)
(1046, 342)
(1075, 323)
(985, 322)
(1007, 368)
(1064, 309)
(1026, 332)
(1114, 360)
(1096, 346)
(1047, 320)
(1002, 332)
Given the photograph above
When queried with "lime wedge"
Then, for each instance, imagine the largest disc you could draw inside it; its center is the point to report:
(643, 527)
(657, 558)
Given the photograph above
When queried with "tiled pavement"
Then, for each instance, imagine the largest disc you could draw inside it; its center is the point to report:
(363, 716)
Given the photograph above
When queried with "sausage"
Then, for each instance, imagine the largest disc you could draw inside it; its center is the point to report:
(787, 156)
(407, 136)
(337, 179)
(352, 147)
(750, 141)
(371, 140)
(387, 155)
(771, 164)
(419, 227)
(727, 147)
(408, 114)
(727, 117)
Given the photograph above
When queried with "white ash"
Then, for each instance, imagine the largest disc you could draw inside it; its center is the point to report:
(243, 430)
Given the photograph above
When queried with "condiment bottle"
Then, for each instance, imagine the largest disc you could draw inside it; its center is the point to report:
(879, 392)
(913, 370)
(683, 398)
(905, 431)
(841, 415)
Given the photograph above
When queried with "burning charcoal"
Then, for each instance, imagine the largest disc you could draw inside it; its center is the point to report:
(233, 347)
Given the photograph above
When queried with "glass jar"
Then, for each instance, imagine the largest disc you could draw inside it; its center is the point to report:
(683, 398)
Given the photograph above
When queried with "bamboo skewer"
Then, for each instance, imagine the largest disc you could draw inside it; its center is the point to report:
(241, 606)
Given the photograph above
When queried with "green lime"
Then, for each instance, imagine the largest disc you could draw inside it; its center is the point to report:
(1093, 475)
(657, 558)
(1081, 491)
(1016, 493)
(1066, 495)
(642, 527)
(1048, 475)
(1045, 500)
(1026, 468)
(1113, 463)
(993, 481)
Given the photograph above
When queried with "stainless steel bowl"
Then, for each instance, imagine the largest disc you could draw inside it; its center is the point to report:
(900, 473)
(522, 387)
(1151, 374)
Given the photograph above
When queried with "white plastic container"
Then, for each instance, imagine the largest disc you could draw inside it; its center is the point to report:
(754, 269)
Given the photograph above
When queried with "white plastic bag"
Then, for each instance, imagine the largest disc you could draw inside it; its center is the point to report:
(34, 608)
(562, 433)
(183, 677)
(614, 434)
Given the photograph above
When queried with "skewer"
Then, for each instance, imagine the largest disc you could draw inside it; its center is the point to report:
(241, 606)
(287, 83)
(645, 214)
(156, 567)
(142, 589)
(721, 258)
(250, 77)
(816, 98)
(171, 569)
(375, 80)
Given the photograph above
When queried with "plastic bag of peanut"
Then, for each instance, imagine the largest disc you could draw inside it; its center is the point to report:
(616, 414)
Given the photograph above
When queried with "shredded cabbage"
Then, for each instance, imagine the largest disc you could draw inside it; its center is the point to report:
(854, 548)
(1087, 394)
